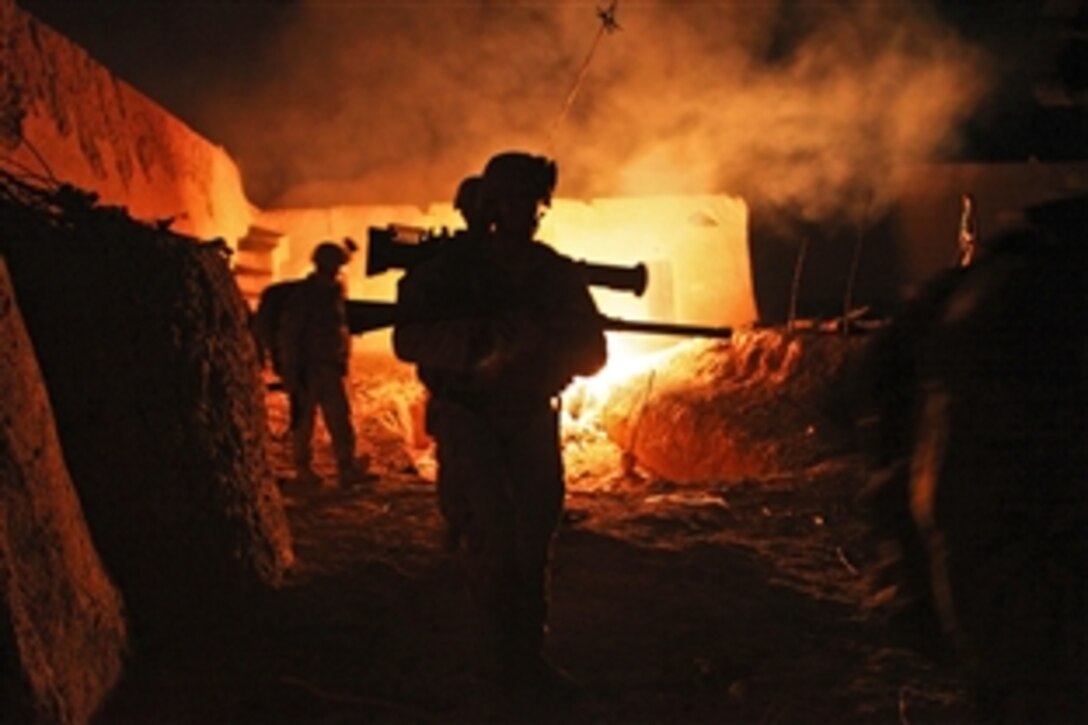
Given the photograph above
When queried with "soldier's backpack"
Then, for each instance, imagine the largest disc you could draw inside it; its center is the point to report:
(268, 318)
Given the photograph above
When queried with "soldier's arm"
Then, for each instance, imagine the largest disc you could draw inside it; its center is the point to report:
(289, 338)
(430, 332)
(582, 339)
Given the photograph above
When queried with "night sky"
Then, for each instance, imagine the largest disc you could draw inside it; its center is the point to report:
(362, 101)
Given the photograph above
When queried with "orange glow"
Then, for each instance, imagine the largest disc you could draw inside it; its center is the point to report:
(626, 360)
(695, 248)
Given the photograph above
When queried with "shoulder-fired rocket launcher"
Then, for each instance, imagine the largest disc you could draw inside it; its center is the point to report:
(402, 247)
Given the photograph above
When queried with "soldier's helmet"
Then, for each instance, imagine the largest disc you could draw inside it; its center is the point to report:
(519, 175)
(467, 198)
(329, 255)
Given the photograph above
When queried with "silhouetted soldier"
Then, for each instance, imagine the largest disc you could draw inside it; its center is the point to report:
(498, 327)
(314, 349)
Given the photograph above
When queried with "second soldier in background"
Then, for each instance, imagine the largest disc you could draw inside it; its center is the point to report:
(314, 353)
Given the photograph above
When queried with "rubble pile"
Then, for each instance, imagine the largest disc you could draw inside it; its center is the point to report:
(142, 339)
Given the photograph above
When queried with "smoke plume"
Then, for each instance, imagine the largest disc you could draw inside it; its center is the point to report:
(812, 104)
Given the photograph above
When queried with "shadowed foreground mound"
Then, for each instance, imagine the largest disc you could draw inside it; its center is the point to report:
(62, 634)
(141, 338)
(982, 490)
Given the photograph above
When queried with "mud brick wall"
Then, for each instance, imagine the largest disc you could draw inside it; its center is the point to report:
(63, 114)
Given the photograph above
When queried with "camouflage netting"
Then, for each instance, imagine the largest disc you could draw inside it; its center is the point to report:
(62, 631)
(142, 339)
(762, 403)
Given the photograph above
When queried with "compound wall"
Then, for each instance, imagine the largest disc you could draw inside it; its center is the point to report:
(65, 116)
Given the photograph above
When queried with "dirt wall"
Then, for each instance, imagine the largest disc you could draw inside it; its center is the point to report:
(143, 342)
(62, 633)
(764, 402)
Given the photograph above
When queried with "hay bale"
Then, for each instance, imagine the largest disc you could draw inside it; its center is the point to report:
(143, 342)
(62, 633)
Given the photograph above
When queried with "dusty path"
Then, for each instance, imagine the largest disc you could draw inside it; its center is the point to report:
(726, 602)
(667, 607)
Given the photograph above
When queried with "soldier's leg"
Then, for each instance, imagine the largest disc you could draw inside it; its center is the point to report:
(303, 409)
(536, 478)
(336, 410)
(449, 485)
(537, 489)
(469, 456)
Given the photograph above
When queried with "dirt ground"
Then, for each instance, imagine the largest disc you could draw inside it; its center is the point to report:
(726, 602)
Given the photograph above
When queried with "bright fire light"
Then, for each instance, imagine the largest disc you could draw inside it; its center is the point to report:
(626, 359)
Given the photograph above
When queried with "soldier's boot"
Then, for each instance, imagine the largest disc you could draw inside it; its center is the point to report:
(303, 454)
(533, 685)
(304, 473)
(354, 472)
